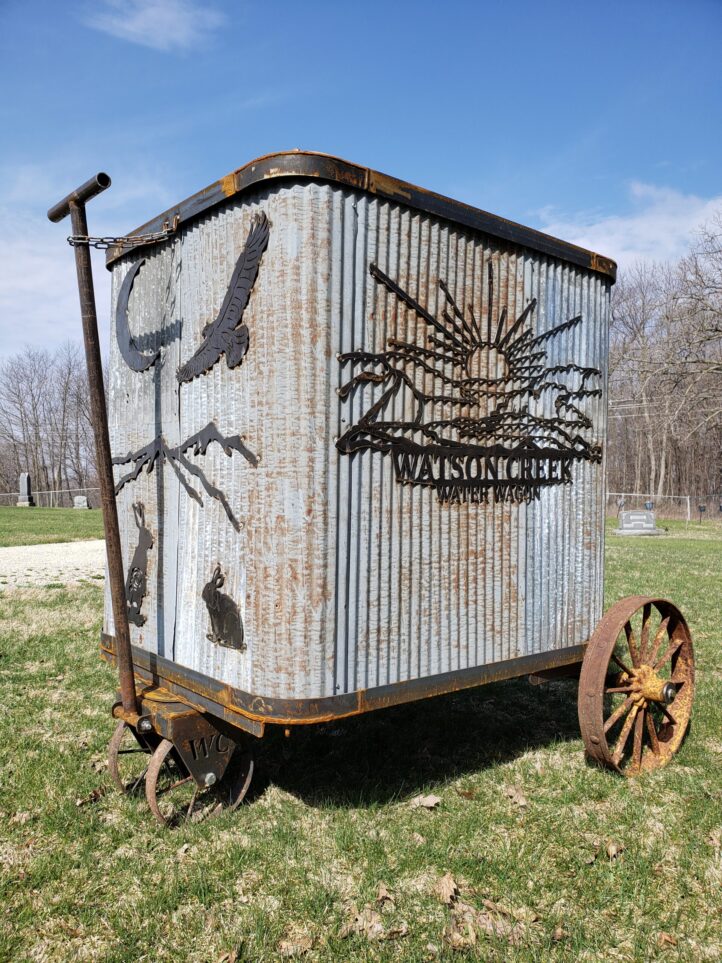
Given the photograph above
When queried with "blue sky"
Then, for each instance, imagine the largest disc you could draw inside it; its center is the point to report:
(598, 123)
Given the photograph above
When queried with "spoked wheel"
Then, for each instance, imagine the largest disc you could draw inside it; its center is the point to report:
(636, 686)
(175, 798)
(128, 758)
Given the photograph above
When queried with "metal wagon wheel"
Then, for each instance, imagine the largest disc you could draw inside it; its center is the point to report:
(637, 685)
(128, 757)
(175, 798)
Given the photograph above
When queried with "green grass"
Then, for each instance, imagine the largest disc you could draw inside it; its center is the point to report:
(330, 819)
(32, 526)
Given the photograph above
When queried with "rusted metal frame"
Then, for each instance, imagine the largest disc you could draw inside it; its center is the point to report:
(74, 205)
(298, 164)
(559, 672)
(148, 678)
(249, 707)
(204, 743)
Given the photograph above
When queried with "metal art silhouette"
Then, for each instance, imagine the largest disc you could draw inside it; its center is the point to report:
(492, 445)
(226, 622)
(226, 335)
(131, 348)
(133, 357)
(160, 451)
(136, 582)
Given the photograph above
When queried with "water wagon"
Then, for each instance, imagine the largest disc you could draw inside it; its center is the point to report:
(357, 433)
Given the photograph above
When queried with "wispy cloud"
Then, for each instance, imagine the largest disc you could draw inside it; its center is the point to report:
(160, 24)
(38, 297)
(38, 293)
(659, 227)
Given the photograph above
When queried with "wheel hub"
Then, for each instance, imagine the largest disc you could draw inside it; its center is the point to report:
(647, 686)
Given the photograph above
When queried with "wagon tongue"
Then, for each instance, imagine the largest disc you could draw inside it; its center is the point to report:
(74, 205)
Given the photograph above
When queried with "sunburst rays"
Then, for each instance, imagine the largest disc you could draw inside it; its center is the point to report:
(494, 372)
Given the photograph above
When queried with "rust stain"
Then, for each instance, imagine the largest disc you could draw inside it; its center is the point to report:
(604, 265)
(388, 186)
(228, 185)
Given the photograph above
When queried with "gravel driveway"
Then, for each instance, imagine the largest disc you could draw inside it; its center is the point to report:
(58, 562)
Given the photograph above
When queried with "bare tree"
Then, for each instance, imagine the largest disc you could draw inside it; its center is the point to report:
(665, 374)
(44, 420)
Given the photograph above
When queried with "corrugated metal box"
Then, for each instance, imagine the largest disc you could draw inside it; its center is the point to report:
(359, 436)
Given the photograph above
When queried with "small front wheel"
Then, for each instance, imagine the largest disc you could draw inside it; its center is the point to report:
(636, 686)
(174, 796)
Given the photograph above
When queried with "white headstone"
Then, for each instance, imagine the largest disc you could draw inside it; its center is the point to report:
(80, 501)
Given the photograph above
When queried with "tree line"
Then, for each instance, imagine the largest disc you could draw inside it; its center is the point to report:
(665, 389)
(45, 424)
(665, 374)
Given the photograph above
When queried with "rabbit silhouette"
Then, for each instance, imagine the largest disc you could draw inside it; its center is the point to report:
(136, 582)
(226, 623)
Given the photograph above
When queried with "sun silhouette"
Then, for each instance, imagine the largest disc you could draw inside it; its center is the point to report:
(474, 392)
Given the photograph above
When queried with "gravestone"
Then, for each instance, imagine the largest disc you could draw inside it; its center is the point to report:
(637, 523)
(80, 501)
(25, 497)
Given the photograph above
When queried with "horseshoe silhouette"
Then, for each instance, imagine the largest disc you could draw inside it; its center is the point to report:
(134, 358)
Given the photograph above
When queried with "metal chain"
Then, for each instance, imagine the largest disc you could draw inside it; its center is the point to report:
(130, 240)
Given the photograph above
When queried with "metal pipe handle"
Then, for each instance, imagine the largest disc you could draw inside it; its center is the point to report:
(74, 204)
(80, 196)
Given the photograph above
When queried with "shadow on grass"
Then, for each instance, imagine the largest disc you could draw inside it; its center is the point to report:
(393, 753)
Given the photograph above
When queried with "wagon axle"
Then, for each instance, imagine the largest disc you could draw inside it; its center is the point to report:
(645, 686)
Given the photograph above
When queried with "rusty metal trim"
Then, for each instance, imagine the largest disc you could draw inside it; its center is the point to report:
(317, 166)
(147, 677)
(244, 709)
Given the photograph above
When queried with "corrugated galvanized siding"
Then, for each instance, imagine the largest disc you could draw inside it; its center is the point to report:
(141, 406)
(278, 399)
(425, 588)
(345, 578)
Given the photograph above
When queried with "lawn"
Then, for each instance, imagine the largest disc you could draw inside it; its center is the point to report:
(32, 526)
(550, 858)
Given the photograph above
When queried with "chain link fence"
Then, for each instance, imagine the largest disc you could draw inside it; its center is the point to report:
(55, 497)
(684, 507)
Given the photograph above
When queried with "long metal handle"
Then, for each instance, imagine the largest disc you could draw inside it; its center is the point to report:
(74, 204)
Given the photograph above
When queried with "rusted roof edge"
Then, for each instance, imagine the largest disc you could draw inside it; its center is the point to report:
(309, 164)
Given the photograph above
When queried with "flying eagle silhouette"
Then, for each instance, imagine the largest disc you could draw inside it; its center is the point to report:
(226, 335)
